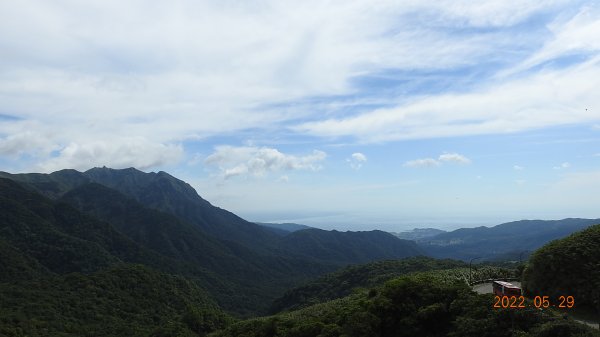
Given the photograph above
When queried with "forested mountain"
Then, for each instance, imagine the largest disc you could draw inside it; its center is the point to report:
(63, 272)
(95, 219)
(283, 228)
(568, 267)
(162, 192)
(418, 233)
(508, 239)
(159, 191)
(348, 247)
(342, 282)
(126, 253)
(347, 280)
(123, 300)
(426, 304)
(60, 238)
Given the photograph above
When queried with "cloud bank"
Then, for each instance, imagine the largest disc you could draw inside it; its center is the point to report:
(99, 76)
(259, 161)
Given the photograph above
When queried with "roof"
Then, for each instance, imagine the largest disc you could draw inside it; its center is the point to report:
(506, 284)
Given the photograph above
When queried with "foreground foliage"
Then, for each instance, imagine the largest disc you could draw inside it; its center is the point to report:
(570, 266)
(424, 304)
(125, 300)
(343, 282)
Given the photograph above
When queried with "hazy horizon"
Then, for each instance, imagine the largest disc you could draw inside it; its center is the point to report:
(341, 222)
(349, 114)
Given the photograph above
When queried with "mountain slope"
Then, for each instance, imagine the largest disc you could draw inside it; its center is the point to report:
(341, 283)
(283, 228)
(150, 228)
(354, 278)
(62, 273)
(418, 233)
(58, 236)
(422, 304)
(166, 193)
(253, 278)
(40, 236)
(159, 191)
(65, 240)
(510, 238)
(123, 300)
(348, 247)
(568, 267)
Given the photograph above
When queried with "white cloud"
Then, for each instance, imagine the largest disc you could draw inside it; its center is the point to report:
(562, 166)
(25, 142)
(514, 105)
(580, 34)
(185, 69)
(258, 161)
(443, 158)
(357, 160)
(454, 158)
(425, 162)
(117, 153)
(518, 168)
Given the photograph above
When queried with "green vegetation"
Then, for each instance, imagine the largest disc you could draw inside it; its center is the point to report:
(570, 266)
(124, 300)
(160, 221)
(125, 253)
(510, 239)
(344, 248)
(342, 282)
(350, 279)
(422, 304)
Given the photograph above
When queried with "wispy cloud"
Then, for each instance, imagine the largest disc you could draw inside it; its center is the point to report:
(183, 70)
(424, 162)
(357, 160)
(515, 105)
(259, 161)
(454, 158)
(443, 158)
(562, 166)
(577, 35)
(518, 168)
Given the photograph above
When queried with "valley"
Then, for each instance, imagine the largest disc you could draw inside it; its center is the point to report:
(144, 254)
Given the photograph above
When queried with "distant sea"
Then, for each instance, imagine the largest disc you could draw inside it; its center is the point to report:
(350, 222)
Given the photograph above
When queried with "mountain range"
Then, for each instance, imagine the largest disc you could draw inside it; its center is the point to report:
(283, 228)
(70, 221)
(110, 252)
(509, 241)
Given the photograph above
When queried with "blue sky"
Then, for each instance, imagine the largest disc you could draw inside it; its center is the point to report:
(338, 114)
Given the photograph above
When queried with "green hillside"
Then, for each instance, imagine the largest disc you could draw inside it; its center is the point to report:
(124, 300)
(347, 280)
(69, 221)
(423, 304)
(36, 232)
(568, 267)
(507, 240)
(347, 247)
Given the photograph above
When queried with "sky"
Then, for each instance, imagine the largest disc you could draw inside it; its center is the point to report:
(351, 115)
